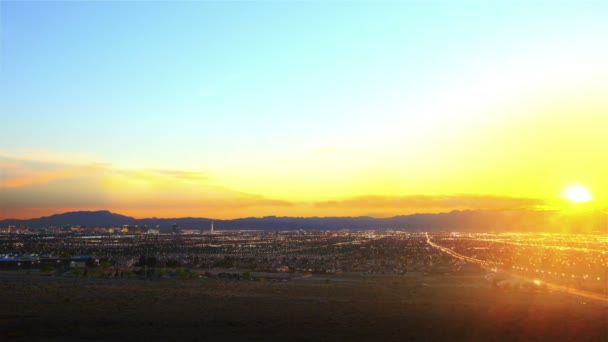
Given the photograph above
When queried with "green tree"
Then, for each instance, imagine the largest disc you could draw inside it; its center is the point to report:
(173, 263)
(151, 261)
(90, 262)
(105, 264)
(142, 261)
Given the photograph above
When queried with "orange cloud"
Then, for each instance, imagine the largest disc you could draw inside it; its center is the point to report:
(18, 172)
(444, 202)
(42, 177)
(32, 188)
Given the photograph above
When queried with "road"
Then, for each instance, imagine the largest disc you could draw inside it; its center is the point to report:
(550, 286)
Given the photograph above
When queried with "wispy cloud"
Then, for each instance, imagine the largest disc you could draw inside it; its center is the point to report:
(16, 172)
(20, 172)
(443, 202)
(34, 187)
(40, 186)
(186, 175)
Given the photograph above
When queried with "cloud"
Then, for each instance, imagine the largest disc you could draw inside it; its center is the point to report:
(42, 177)
(41, 186)
(29, 186)
(175, 175)
(436, 202)
(48, 157)
(22, 172)
(186, 175)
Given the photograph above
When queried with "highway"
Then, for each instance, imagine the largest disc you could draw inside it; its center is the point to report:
(550, 286)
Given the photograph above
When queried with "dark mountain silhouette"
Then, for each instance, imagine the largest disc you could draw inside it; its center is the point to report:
(102, 218)
(462, 221)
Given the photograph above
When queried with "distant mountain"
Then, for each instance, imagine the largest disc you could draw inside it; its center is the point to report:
(461, 221)
(102, 218)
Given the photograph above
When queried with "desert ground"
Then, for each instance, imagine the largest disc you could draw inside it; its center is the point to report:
(412, 307)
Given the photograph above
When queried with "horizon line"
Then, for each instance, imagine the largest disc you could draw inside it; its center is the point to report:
(268, 216)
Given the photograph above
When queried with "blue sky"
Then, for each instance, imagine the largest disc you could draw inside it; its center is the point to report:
(228, 73)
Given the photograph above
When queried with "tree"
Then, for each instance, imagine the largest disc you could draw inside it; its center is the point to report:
(105, 264)
(47, 268)
(142, 261)
(173, 263)
(90, 262)
(151, 261)
(184, 274)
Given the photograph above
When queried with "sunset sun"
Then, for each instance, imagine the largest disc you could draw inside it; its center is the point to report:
(578, 194)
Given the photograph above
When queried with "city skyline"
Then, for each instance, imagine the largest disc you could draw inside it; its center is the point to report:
(231, 110)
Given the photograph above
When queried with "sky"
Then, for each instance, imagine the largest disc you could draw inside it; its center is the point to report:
(309, 108)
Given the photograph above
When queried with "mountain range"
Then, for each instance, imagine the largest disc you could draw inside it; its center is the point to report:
(461, 221)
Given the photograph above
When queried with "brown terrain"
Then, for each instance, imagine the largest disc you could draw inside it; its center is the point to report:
(414, 307)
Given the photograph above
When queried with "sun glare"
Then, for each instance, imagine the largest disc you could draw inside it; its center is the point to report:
(578, 194)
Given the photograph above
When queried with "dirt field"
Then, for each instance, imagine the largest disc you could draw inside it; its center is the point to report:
(415, 307)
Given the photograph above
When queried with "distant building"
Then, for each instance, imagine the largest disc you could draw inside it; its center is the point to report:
(282, 269)
(154, 231)
(78, 264)
(175, 229)
(80, 261)
(77, 229)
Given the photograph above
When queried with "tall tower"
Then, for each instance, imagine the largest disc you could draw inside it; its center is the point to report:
(211, 227)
